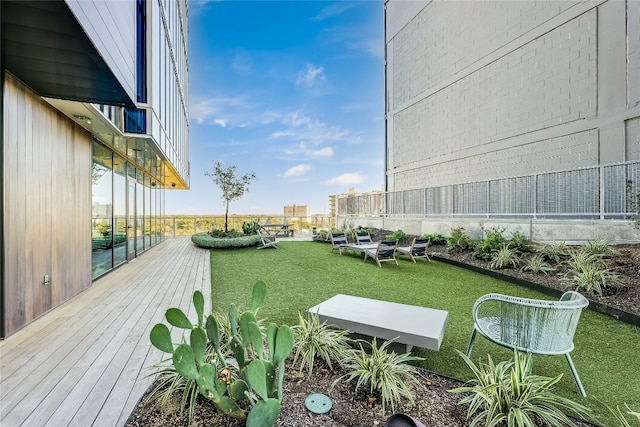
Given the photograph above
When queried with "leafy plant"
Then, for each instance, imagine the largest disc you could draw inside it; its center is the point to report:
(621, 418)
(537, 264)
(520, 242)
(250, 227)
(505, 257)
(232, 186)
(588, 272)
(318, 340)
(458, 240)
(384, 373)
(508, 393)
(600, 248)
(435, 238)
(491, 244)
(223, 234)
(259, 383)
(556, 252)
(398, 235)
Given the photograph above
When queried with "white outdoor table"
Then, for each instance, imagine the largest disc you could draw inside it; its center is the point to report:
(402, 323)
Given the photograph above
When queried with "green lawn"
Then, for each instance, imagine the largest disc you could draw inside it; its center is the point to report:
(300, 275)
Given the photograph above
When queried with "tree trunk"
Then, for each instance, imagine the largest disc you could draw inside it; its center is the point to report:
(226, 218)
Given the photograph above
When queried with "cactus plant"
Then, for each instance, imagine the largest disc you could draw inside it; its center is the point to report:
(258, 366)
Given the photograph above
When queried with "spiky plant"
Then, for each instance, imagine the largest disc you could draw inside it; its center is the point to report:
(385, 373)
(537, 264)
(318, 340)
(508, 393)
(621, 418)
(505, 257)
(556, 252)
(600, 248)
(588, 272)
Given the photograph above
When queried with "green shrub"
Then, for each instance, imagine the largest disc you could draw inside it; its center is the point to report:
(491, 244)
(556, 252)
(384, 373)
(204, 240)
(505, 257)
(318, 340)
(435, 238)
(251, 227)
(537, 264)
(215, 233)
(458, 240)
(520, 242)
(507, 393)
(398, 235)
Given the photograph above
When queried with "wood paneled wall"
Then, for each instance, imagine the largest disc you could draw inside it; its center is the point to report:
(47, 210)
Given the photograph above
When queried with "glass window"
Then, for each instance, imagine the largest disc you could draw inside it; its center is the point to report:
(140, 226)
(101, 211)
(119, 211)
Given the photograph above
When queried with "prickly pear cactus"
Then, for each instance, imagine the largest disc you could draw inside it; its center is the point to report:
(259, 380)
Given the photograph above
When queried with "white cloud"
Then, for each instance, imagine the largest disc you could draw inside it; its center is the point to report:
(333, 10)
(216, 110)
(323, 152)
(346, 179)
(298, 170)
(313, 76)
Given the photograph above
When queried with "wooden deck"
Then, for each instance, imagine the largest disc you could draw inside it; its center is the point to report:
(86, 362)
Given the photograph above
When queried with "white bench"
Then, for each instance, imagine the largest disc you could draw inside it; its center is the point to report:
(406, 324)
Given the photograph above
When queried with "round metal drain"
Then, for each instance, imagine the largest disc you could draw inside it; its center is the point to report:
(318, 403)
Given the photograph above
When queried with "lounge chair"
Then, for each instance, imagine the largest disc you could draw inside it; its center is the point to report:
(268, 241)
(418, 249)
(339, 241)
(363, 237)
(534, 326)
(385, 251)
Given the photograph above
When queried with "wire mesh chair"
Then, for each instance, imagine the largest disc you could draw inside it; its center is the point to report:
(534, 326)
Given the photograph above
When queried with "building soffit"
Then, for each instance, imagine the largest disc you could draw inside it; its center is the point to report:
(44, 46)
(140, 149)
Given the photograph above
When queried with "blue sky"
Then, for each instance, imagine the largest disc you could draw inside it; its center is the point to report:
(292, 90)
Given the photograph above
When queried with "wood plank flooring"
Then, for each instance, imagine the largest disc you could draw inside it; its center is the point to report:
(86, 363)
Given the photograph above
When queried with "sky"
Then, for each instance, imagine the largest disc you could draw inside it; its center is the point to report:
(291, 90)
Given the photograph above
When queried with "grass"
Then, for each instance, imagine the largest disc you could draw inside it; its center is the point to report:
(300, 275)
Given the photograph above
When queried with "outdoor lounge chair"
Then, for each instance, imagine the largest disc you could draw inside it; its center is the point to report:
(418, 249)
(363, 237)
(385, 251)
(267, 240)
(339, 241)
(534, 326)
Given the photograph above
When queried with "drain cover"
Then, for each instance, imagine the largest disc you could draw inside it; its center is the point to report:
(318, 403)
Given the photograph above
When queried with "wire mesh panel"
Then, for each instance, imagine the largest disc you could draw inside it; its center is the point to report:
(394, 203)
(574, 193)
(512, 196)
(413, 202)
(470, 198)
(439, 200)
(621, 190)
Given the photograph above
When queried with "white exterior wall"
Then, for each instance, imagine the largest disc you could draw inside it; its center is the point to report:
(481, 90)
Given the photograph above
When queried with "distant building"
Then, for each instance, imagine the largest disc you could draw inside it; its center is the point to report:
(94, 120)
(296, 211)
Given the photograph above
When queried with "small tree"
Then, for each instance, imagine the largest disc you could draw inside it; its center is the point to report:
(233, 187)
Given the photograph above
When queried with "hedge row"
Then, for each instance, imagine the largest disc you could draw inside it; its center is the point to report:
(204, 240)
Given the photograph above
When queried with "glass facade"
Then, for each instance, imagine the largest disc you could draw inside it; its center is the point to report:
(127, 211)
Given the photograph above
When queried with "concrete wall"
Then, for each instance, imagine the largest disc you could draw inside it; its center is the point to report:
(570, 231)
(481, 90)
